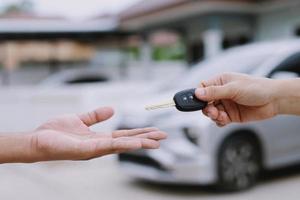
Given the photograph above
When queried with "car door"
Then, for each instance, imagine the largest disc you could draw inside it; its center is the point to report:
(282, 133)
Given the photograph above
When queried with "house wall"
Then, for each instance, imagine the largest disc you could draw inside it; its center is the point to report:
(15, 53)
(211, 30)
(279, 24)
(230, 25)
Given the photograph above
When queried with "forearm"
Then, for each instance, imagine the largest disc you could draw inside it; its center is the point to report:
(288, 96)
(16, 148)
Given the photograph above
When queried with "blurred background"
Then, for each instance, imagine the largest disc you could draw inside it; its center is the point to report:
(65, 56)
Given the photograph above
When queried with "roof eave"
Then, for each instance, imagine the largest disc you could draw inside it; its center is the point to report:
(186, 10)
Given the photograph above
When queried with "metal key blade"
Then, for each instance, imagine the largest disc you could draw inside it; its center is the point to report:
(161, 105)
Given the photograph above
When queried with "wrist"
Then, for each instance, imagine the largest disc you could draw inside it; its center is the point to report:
(287, 96)
(16, 148)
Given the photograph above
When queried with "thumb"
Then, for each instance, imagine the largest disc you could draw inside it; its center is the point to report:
(95, 116)
(213, 93)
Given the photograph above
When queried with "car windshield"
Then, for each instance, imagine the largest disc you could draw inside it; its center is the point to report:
(242, 60)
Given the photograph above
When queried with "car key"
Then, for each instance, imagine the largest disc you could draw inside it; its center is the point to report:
(184, 101)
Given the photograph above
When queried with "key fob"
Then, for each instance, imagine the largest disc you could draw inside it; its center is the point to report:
(186, 101)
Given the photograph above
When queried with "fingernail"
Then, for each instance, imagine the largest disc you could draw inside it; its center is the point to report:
(200, 92)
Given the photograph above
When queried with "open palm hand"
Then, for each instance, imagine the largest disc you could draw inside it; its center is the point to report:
(70, 138)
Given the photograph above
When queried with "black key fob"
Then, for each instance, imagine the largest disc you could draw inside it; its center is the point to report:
(186, 101)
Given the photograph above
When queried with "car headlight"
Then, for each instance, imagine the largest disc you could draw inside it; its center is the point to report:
(192, 134)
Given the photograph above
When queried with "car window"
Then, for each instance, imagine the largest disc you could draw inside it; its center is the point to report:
(240, 60)
(86, 79)
(290, 64)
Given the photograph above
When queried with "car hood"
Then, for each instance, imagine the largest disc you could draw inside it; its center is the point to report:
(134, 114)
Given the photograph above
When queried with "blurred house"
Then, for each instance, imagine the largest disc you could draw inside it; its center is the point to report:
(52, 43)
(208, 26)
(190, 29)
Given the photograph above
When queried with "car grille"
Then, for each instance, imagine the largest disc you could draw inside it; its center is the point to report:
(141, 160)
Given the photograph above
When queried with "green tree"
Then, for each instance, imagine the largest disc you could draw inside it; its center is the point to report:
(21, 6)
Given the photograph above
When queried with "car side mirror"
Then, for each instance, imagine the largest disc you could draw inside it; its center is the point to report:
(284, 75)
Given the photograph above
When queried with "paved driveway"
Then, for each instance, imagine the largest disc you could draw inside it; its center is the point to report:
(101, 179)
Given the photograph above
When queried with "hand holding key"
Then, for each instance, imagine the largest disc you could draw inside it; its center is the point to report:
(238, 98)
(184, 101)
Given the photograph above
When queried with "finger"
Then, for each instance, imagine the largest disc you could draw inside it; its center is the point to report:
(223, 118)
(213, 93)
(133, 132)
(222, 79)
(155, 135)
(98, 135)
(232, 110)
(217, 114)
(96, 116)
(97, 147)
(211, 111)
(213, 81)
(221, 109)
(149, 144)
(204, 111)
(129, 144)
(120, 145)
(219, 124)
(202, 84)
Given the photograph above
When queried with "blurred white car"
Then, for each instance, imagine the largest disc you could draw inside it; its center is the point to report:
(76, 76)
(69, 91)
(199, 152)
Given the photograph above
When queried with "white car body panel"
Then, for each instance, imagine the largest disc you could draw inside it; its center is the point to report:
(189, 163)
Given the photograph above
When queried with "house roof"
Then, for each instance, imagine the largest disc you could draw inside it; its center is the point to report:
(148, 7)
(144, 7)
(147, 13)
(30, 23)
(153, 13)
(26, 15)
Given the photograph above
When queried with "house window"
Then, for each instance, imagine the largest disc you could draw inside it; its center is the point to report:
(297, 32)
(235, 41)
(195, 52)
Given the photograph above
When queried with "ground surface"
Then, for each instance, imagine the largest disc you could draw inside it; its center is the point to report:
(23, 109)
(101, 179)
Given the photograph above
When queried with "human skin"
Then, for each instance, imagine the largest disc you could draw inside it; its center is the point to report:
(242, 98)
(70, 138)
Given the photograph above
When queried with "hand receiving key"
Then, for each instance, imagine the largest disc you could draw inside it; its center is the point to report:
(69, 137)
(184, 101)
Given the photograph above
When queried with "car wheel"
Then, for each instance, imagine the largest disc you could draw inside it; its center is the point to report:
(239, 163)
